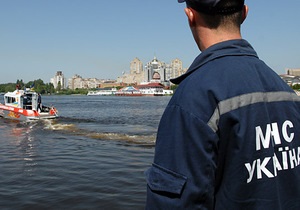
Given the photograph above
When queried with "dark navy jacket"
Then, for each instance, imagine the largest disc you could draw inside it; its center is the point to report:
(229, 137)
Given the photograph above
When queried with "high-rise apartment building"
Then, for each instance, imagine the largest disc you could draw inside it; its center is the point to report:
(174, 69)
(136, 66)
(136, 73)
(176, 66)
(59, 79)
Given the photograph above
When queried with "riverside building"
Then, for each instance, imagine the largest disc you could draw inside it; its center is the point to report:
(292, 76)
(154, 71)
(77, 82)
(59, 79)
(136, 73)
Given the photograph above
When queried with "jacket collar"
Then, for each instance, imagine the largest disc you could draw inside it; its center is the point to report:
(227, 48)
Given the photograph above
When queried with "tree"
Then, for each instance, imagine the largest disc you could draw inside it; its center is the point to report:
(296, 87)
(58, 88)
(39, 86)
(9, 87)
(49, 88)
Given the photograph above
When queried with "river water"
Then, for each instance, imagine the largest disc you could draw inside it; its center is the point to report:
(92, 157)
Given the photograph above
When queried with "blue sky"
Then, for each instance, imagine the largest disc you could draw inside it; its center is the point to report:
(99, 39)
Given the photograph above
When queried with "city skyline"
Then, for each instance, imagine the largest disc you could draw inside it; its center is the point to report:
(154, 71)
(99, 39)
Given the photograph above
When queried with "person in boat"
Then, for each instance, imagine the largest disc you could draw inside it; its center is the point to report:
(39, 101)
(230, 136)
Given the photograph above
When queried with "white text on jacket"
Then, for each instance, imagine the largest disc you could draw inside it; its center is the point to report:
(283, 158)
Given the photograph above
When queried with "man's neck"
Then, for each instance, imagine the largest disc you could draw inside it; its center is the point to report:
(211, 37)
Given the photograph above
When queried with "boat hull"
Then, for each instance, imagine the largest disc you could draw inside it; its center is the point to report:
(26, 115)
(129, 94)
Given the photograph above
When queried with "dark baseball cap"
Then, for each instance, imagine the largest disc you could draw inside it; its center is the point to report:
(214, 6)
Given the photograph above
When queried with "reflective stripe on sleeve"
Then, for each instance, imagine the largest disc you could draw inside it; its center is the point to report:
(240, 101)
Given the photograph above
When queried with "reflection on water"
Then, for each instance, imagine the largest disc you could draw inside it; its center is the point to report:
(24, 144)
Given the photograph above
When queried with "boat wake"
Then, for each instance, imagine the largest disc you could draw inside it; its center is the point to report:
(73, 127)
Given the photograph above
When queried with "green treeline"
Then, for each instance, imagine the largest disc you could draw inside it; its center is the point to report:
(40, 87)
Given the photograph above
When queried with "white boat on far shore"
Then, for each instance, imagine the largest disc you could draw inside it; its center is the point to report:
(154, 89)
(102, 92)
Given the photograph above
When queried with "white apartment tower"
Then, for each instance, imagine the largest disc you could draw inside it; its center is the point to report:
(59, 78)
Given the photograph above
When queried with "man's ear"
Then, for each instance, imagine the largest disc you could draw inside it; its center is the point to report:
(245, 13)
(190, 15)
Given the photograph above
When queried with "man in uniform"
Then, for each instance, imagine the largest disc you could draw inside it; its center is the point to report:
(39, 101)
(230, 136)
